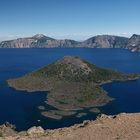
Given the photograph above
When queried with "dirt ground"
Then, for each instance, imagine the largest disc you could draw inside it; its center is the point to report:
(121, 127)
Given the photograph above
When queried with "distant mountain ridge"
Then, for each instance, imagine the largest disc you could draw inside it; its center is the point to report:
(38, 41)
(100, 41)
(106, 41)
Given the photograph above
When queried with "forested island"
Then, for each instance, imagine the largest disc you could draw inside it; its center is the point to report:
(71, 84)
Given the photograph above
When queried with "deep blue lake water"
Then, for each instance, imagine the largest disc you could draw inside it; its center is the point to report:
(20, 108)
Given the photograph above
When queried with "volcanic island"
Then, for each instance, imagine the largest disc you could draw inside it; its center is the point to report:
(71, 84)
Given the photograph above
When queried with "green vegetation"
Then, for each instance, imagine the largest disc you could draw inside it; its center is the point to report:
(89, 93)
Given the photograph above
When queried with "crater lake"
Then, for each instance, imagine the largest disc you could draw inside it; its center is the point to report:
(21, 108)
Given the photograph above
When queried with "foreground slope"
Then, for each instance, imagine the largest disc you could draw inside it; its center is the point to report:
(120, 127)
(72, 84)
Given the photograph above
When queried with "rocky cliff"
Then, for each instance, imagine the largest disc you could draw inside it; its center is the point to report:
(121, 127)
(100, 41)
(134, 43)
(37, 41)
(106, 41)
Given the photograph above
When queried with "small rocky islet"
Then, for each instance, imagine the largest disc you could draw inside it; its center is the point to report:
(71, 84)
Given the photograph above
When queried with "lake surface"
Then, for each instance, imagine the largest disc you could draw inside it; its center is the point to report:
(20, 108)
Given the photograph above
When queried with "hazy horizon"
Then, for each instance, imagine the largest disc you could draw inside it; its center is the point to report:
(73, 37)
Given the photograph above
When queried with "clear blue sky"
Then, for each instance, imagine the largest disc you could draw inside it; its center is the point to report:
(63, 18)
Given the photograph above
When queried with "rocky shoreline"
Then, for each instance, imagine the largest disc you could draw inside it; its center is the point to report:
(122, 126)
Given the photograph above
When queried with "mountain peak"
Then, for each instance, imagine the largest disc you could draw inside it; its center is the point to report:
(38, 36)
(74, 64)
(70, 60)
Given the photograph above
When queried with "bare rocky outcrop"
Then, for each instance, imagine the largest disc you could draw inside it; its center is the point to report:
(7, 130)
(35, 131)
(120, 127)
